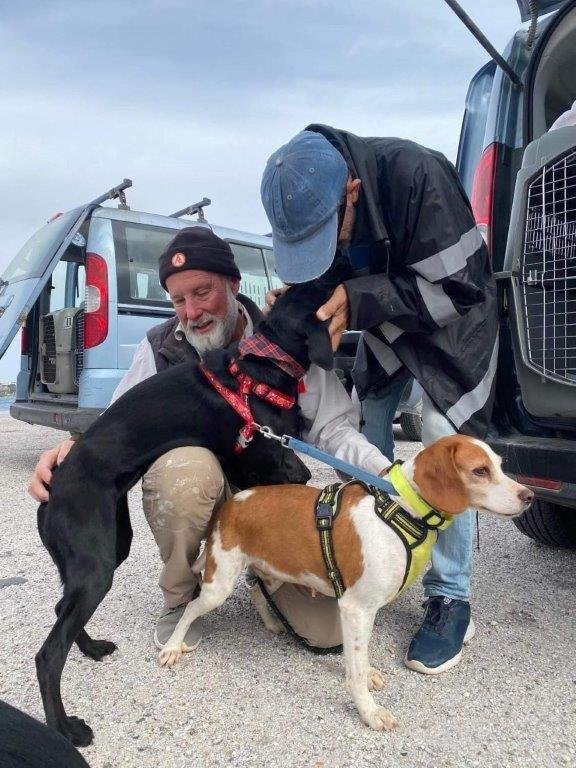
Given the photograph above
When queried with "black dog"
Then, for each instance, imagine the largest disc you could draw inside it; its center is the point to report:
(27, 743)
(86, 526)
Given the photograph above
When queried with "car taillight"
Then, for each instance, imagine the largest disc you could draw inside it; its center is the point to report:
(96, 309)
(24, 341)
(540, 482)
(483, 193)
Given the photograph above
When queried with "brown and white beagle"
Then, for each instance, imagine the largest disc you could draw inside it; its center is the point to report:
(272, 529)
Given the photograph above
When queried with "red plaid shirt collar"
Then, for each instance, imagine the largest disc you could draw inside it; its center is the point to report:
(260, 346)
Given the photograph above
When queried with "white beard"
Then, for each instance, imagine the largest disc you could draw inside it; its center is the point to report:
(221, 334)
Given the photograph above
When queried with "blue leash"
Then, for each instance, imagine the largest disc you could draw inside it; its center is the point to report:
(326, 458)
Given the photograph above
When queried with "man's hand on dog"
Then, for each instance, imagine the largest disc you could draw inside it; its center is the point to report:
(271, 297)
(43, 471)
(335, 310)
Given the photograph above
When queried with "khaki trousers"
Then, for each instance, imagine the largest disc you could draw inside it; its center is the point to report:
(180, 492)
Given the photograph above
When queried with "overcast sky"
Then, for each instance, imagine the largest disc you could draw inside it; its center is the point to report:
(188, 99)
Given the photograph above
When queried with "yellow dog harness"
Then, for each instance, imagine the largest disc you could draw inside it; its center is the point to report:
(418, 532)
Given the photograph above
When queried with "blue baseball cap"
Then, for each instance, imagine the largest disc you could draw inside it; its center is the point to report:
(302, 188)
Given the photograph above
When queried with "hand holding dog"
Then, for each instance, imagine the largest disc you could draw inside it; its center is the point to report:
(43, 470)
(271, 297)
(335, 310)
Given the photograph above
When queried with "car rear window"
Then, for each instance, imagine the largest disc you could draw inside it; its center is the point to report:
(37, 253)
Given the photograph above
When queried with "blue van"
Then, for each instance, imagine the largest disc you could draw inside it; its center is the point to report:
(521, 179)
(85, 290)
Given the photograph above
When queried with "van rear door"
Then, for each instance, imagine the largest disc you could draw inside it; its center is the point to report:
(29, 271)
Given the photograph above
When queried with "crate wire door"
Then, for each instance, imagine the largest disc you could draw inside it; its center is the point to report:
(549, 271)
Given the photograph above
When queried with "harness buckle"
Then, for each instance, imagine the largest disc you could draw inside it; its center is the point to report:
(324, 516)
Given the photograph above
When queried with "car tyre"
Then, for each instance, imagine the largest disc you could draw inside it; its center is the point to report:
(550, 524)
(411, 424)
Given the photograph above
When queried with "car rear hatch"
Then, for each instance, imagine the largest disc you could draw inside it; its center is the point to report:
(29, 271)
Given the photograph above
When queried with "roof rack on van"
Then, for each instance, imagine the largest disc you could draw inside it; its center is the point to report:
(192, 209)
(112, 194)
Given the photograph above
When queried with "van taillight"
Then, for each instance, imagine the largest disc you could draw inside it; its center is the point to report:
(96, 309)
(24, 341)
(483, 193)
(540, 482)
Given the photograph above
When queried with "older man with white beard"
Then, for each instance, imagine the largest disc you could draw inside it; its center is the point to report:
(182, 489)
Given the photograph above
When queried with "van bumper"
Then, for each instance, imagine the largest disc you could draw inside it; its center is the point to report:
(540, 457)
(67, 418)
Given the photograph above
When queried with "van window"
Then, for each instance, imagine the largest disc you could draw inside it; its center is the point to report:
(68, 280)
(138, 247)
(80, 285)
(250, 260)
(58, 288)
(275, 281)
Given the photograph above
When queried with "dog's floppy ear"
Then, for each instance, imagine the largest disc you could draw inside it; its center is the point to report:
(320, 346)
(438, 479)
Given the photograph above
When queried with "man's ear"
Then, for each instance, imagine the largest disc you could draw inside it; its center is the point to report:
(235, 285)
(319, 346)
(353, 189)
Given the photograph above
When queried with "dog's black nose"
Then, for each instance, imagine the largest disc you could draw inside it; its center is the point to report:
(526, 496)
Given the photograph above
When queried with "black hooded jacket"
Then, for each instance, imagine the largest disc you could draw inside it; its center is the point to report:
(421, 287)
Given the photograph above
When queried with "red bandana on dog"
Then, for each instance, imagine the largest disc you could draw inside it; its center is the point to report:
(259, 346)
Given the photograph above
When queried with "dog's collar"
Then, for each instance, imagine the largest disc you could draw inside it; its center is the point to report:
(260, 346)
(238, 400)
(432, 517)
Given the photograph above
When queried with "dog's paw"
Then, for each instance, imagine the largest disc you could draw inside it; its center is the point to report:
(97, 649)
(379, 719)
(170, 655)
(376, 680)
(78, 732)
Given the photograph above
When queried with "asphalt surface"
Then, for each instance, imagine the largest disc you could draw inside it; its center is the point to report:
(247, 698)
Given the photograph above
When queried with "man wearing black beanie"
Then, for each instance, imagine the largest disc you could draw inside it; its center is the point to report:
(197, 248)
(198, 270)
(182, 489)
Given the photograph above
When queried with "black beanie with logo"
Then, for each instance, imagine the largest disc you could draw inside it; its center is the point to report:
(197, 248)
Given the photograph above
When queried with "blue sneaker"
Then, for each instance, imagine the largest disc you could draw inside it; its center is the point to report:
(437, 646)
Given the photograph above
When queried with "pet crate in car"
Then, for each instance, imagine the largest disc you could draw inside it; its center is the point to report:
(541, 255)
(61, 350)
(48, 350)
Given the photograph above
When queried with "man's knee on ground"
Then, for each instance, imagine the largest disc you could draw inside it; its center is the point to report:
(184, 483)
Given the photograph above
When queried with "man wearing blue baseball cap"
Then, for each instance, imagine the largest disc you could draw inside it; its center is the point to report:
(418, 283)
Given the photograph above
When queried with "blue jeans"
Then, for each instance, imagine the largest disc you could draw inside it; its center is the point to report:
(451, 567)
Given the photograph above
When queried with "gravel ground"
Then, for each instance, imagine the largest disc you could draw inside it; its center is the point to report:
(248, 698)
